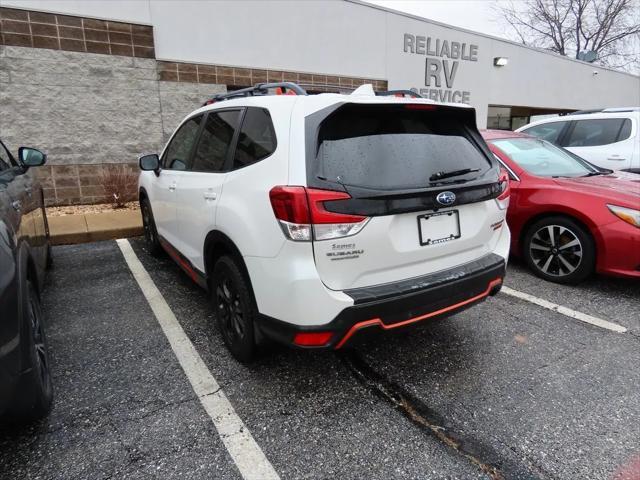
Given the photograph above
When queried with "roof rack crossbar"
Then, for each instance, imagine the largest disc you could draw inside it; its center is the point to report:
(257, 90)
(398, 93)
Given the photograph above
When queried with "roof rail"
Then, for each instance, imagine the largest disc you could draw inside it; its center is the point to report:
(259, 89)
(290, 88)
(621, 109)
(583, 112)
(399, 93)
(605, 110)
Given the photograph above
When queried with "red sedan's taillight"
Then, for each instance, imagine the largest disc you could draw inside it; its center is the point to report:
(505, 189)
(302, 215)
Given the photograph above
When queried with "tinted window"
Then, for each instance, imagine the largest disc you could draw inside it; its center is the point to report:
(591, 133)
(5, 158)
(215, 141)
(257, 138)
(625, 131)
(177, 154)
(542, 158)
(547, 131)
(388, 148)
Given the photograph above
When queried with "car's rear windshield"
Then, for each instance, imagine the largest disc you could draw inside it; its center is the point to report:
(395, 147)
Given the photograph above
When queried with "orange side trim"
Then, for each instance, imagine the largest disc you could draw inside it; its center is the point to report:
(176, 257)
(380, 323)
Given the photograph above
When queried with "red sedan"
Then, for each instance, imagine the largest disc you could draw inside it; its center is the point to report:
(567, 217)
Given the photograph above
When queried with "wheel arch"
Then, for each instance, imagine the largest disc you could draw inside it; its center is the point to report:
(588, 226)
(217, 244)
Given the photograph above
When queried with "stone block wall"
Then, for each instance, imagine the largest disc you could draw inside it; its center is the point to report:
(86, 112)
(91, 95)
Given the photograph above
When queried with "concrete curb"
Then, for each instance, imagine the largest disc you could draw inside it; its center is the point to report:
(92, 227)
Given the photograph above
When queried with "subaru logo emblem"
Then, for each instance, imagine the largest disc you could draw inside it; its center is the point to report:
(446, 198)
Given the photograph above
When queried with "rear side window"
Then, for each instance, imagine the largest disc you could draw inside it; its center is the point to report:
(5, 158)
(177, 154)
(215, 140)
(395, 147)
(625, 131)
(257, 138)
(547, 131)
(592, 133)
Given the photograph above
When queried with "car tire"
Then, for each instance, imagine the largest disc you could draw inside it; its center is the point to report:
(235, 308)
(560, 250)
(33, 396)
(151, 238)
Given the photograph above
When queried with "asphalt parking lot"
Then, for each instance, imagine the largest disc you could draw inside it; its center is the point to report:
(507, 389)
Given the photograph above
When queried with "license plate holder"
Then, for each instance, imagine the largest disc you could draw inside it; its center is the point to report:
(438, 227)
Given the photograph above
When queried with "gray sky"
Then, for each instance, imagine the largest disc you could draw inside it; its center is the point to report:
(477, 15)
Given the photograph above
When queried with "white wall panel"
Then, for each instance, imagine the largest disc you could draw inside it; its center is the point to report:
(351, 39)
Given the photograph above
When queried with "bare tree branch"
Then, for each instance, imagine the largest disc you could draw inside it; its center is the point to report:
(609, 28)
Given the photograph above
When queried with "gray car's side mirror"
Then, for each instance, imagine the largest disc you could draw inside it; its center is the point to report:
(149, 162)
(31, 157)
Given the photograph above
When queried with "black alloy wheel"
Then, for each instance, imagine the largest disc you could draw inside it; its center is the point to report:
(39, 342)
(34, 393)
(149, 225)
(235, 308)
(559, 249)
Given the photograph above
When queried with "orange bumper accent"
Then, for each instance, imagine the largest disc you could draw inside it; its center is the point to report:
(380, 323)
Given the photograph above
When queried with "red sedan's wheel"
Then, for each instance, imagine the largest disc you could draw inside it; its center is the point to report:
(560, 250)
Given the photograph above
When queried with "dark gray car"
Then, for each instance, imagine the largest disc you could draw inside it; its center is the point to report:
(25, 380)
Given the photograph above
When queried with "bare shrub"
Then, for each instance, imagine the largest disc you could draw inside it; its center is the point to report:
(119, 184)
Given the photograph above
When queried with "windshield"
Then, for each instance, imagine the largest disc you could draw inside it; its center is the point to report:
(389, 148)
(541, 158)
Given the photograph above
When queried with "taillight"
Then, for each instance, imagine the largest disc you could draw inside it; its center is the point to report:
(505, 190)
(301, 214)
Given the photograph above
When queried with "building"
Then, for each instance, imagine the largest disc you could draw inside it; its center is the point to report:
(96, 83)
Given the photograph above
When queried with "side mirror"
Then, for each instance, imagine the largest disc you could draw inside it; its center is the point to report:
(149, 162)
(31, 157)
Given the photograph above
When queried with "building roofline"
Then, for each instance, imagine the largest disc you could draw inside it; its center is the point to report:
(485, 35)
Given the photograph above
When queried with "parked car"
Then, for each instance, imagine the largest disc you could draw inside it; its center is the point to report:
(25, 379)
(311, 217)
(568, 218)
(607, 138)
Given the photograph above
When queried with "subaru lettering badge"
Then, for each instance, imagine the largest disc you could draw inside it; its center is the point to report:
(446, 198)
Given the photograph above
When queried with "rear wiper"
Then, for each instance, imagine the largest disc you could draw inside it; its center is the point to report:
(454, 173)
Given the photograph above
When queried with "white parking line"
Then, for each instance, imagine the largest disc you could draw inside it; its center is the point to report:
(244, 450)
(583, 317)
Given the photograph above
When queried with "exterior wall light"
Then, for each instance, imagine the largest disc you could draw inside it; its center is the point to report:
(500, 61)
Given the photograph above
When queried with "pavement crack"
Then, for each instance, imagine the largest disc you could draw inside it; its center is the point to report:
(415, 410)
(541, 471)
(161, 407)
(208, 394)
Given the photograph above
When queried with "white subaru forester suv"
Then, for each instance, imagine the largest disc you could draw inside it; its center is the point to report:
(310, 218)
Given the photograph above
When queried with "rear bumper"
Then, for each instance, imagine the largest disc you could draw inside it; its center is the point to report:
(399, 304)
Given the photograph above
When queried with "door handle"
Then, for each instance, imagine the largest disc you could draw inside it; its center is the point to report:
(172, 187)
(210, 195)
(617, 158)
(17, 205)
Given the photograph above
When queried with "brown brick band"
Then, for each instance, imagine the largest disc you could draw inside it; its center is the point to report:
(24, 28)
(245, 77)
(82, 184)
